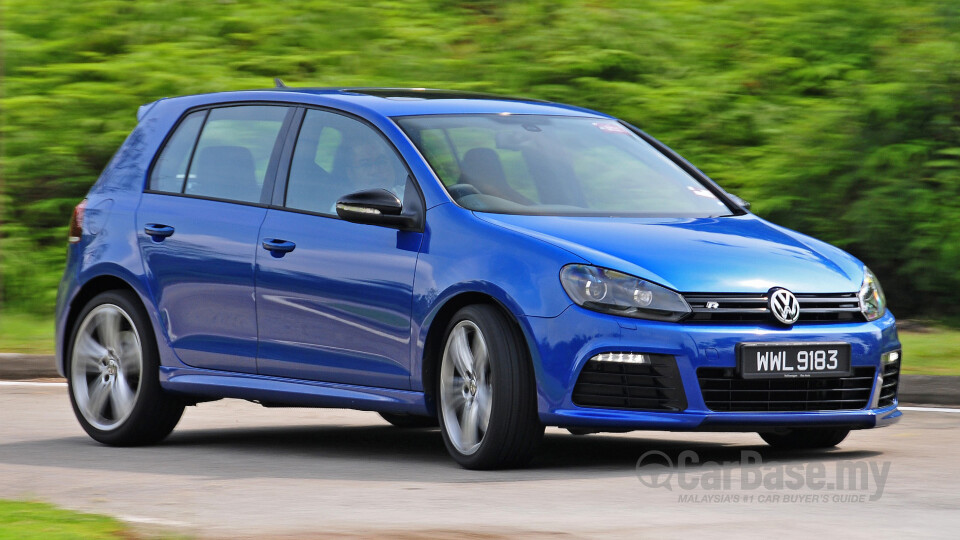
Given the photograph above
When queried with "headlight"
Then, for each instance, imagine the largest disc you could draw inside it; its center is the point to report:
(609, 291)
(872, 302)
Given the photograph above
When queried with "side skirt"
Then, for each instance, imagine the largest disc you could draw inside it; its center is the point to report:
(276, 391)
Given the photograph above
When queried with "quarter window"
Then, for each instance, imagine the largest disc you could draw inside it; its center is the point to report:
(171, 168)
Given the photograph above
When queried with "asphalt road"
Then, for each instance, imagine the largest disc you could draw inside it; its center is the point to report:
(235, 469)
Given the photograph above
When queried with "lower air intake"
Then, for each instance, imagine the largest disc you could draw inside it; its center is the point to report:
(653, 385)
(723, 390)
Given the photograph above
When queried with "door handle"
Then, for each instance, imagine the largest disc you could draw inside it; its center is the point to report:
(157, 231)
(278, 247)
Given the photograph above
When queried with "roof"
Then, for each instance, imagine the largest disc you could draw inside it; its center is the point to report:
(393, 102)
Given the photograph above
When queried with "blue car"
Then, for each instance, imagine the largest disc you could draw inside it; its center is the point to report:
(484, 264)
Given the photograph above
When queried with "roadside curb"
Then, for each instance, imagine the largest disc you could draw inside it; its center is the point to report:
(929, 389)
(914, 389)
(14, 366)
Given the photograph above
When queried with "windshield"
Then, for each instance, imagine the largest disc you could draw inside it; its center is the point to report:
(556, 165)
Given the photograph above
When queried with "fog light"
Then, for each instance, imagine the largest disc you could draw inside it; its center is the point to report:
(890, 357)
(622, 358)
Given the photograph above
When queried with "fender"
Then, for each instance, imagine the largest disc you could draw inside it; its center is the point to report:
(477, 290)
(535, 266)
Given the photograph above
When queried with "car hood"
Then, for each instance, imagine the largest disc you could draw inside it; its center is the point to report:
(736, 254)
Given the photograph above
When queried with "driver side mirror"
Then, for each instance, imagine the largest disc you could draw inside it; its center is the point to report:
(377, 207)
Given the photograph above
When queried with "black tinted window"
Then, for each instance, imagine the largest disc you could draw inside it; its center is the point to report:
(171, 167)
(335, 156)
(234, 151)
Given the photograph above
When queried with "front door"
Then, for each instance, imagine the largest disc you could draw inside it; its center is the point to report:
(334, 298)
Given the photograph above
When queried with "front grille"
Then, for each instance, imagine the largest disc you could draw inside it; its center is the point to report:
(814, 308)
(891, 379)
(654, 386)
(723, 390)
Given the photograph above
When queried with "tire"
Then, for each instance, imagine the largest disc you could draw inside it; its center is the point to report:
(805, 438)
(486, 392)
(113, 374)
(410, 421)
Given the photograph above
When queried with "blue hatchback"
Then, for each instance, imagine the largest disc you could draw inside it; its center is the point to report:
(486, 264)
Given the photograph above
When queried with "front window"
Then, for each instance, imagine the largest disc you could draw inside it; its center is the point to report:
(337, 155)
(556, 165)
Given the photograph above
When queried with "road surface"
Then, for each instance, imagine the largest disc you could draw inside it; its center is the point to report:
(235, 469)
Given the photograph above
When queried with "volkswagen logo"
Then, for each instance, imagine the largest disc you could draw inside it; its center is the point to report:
(784, 306)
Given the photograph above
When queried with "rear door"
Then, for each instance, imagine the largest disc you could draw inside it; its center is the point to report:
(198, 225)
(337, 306)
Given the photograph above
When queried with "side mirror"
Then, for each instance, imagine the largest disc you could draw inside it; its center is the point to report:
(739, 202)
(376, 207)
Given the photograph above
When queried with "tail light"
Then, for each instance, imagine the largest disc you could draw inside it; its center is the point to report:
(76, 222)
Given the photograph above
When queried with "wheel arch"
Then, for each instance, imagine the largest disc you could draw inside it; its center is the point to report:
(437, 323)
(85, 292)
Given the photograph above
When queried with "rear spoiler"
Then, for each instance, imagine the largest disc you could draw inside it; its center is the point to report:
(144, 109)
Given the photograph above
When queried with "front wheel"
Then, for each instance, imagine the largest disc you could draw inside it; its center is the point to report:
(113, 374)
(487, 394)
(805, 438)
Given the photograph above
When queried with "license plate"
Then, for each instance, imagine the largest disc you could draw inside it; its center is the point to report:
(793, 360)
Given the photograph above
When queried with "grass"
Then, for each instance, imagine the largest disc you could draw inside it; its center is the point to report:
(934, 351)
(24, 333)
(33, 520)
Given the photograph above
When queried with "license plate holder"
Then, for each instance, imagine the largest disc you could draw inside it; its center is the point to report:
(793, 360)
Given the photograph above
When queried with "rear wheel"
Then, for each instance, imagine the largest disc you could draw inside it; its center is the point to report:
(487, 393)
(113, 374)
(409, 421)
(805, 438)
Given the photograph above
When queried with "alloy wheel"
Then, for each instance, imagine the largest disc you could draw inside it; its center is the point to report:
(466, 390)
(106, 363)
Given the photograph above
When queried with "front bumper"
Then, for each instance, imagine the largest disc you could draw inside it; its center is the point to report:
(563, 344)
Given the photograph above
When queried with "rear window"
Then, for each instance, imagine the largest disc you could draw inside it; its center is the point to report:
(233, 152)
(221, 153)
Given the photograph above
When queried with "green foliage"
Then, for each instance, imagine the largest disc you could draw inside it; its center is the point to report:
(839, 119)
(932, 352)
(31, 520)
(26, 333)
